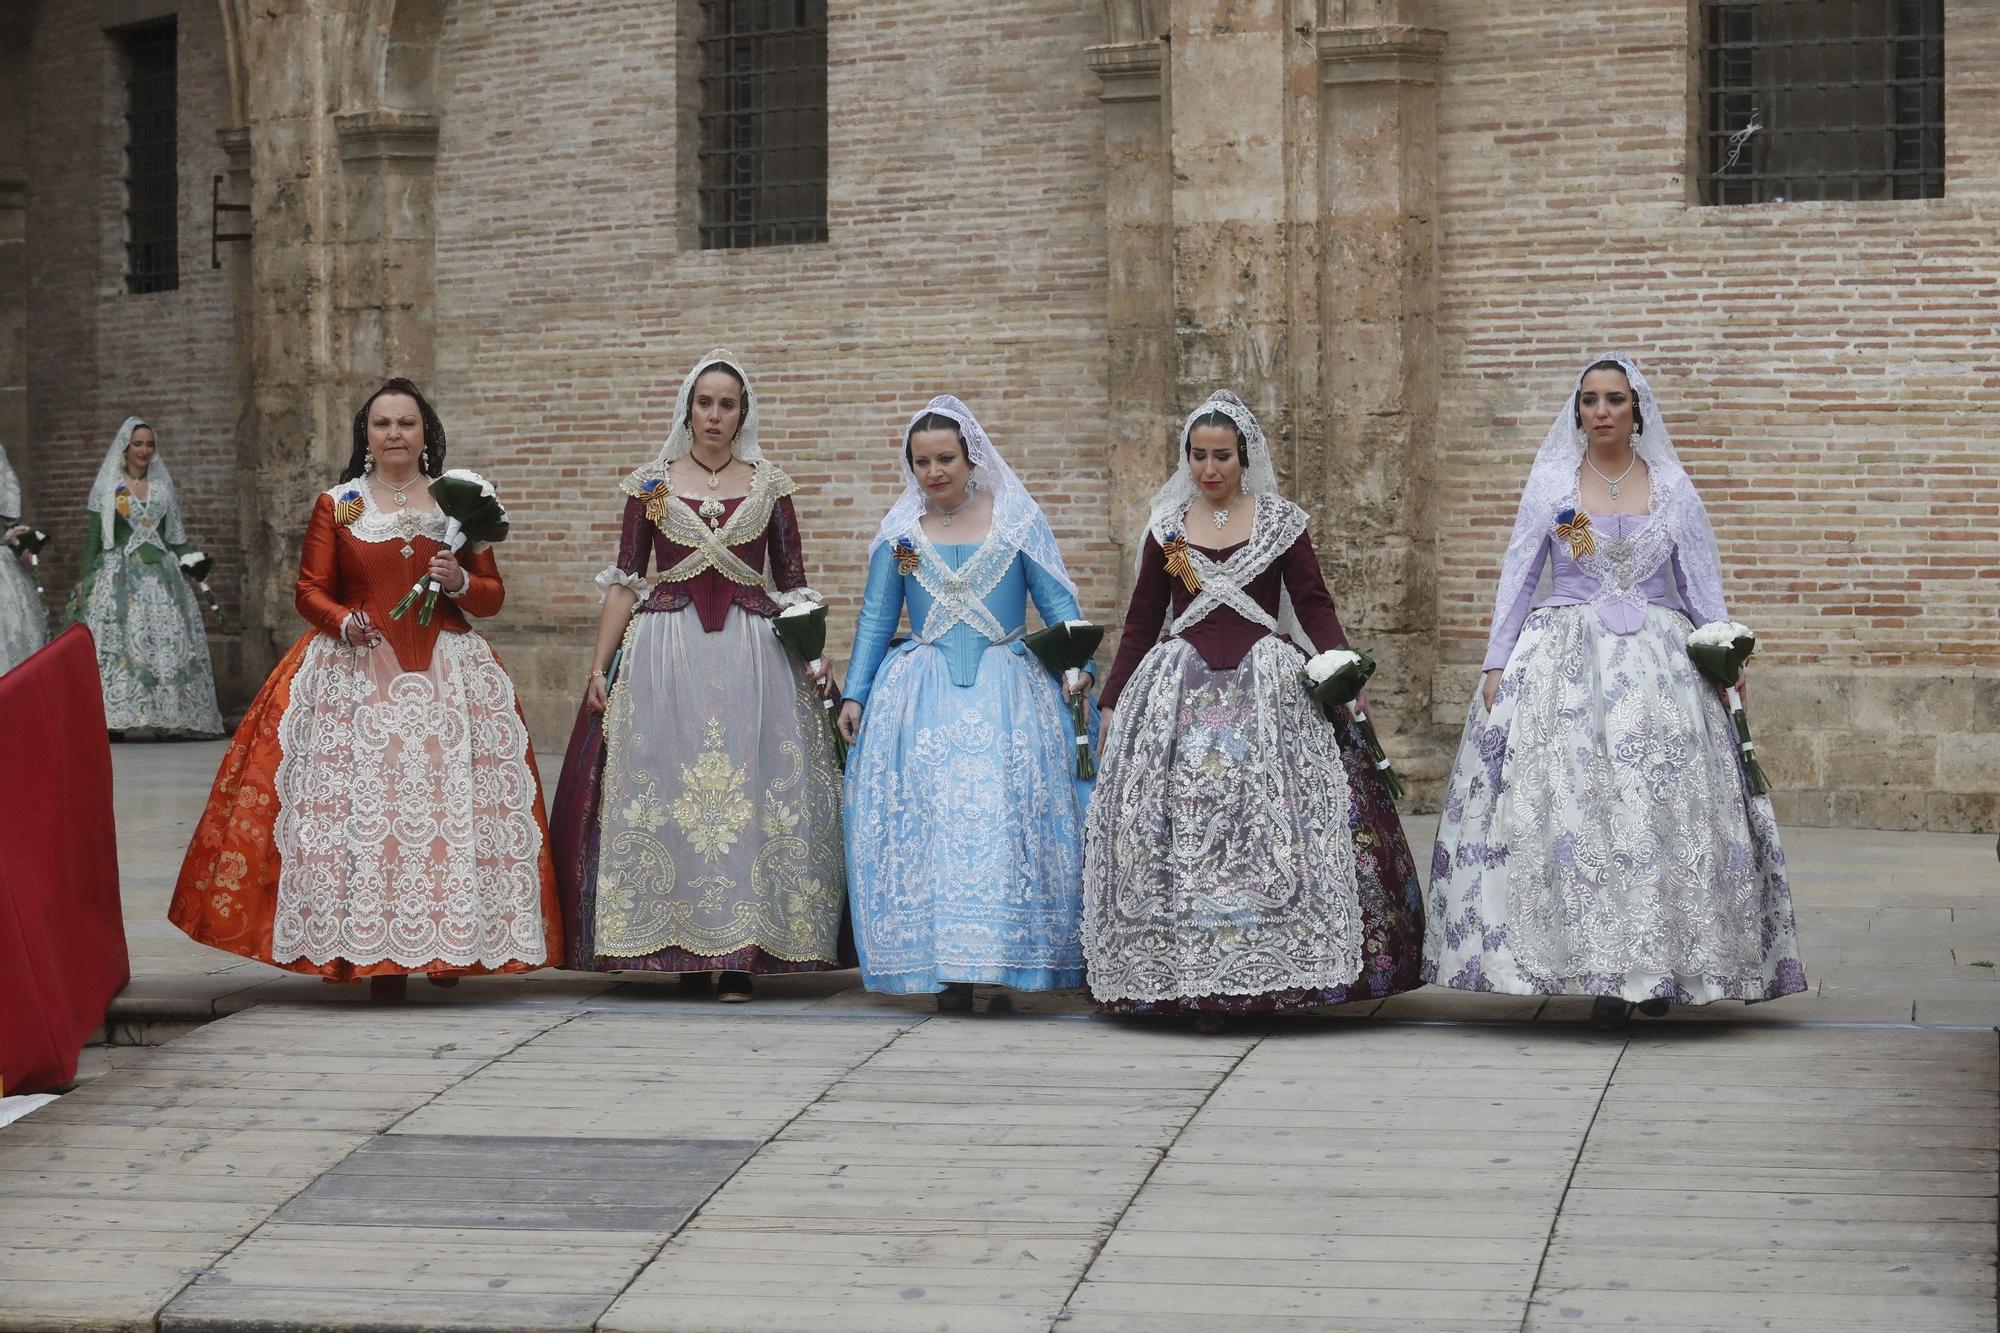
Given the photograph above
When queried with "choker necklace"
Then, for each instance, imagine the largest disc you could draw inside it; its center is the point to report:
(714, 473)
(1612, 482)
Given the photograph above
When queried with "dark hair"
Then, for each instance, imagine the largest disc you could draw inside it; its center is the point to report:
(1638, 417)
(1215, 418)
(432, 462)
(935, 421)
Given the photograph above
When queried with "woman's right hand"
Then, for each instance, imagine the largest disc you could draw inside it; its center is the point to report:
(850, 722)
(360, 631)
(595, 697)
(1490, 688)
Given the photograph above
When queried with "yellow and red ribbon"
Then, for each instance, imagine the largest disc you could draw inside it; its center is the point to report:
(1178, 564)
(1577, 533)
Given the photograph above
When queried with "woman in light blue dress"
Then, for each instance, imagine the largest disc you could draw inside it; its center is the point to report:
(964, 812)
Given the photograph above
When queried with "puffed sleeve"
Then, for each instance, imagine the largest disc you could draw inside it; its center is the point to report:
(881, 607)
(1507, 630)
(1311, 602)
(317, 591)
(787, 551)
(635, 545)
(483, 592)
(1152, 595)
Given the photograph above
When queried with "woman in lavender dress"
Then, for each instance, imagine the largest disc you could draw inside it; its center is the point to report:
(1598, 836)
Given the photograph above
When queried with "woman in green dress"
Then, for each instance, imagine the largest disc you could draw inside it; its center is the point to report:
(152, 655)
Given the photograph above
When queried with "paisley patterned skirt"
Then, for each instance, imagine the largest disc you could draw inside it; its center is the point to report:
(965, 827)
(1243, 854)
(707, 834)
(1598, 837)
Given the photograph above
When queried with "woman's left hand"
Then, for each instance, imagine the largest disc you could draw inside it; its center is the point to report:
(450, 575)
(1076, 683)
(821, 677)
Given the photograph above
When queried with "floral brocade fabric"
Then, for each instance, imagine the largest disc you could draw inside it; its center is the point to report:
(1597, 836)
(1243, 855)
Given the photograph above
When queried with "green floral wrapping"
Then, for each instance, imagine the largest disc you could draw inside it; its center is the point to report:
(1062, 649)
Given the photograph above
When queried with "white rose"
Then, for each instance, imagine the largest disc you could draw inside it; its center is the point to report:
(192, 558)
(1076, 624)
(798, 609)
(1330, 663)
(467, 474)
(1719, 634)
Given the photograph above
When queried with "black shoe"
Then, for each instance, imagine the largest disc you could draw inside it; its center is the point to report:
(1210, 1024)
(1003, 1003)
(390, 988)
(1610, 1014)
(694, 983)
(955, 998)
(733, 988)
(1653, 1008)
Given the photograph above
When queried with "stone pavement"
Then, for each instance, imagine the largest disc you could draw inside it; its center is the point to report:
(575, 1152)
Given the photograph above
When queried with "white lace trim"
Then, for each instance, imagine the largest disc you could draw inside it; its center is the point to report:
(958, 596)
(375, 524)
(406, 824)
(1275, 526)
(611, 577)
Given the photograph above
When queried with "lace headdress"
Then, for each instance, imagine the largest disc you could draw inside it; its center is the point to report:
(159, 485)
(1552, 486)
(1017, 519)
(10, 488)
(1168, 512)
(680, 440)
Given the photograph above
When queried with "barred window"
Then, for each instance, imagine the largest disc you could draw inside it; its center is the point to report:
(152, 160)
(763, 122)
(1821, 99)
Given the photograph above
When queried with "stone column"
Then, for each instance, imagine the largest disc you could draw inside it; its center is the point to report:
(387, 263)
(1138, 202)
(1378, 65)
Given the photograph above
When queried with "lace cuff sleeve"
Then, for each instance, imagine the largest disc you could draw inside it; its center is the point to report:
(611, 577)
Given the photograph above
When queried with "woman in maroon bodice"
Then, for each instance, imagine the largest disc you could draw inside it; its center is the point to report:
(697, 823)
(1242, 853)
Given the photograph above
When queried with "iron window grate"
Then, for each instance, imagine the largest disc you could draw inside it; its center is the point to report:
(762, 123)
(1821, 99)
(152, 161)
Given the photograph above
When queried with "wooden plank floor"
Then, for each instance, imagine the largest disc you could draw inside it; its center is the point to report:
(639, 1168)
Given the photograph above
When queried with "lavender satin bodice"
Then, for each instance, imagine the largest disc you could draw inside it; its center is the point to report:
(1571, 584)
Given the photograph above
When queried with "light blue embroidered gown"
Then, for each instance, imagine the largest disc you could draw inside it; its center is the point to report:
(964, 813)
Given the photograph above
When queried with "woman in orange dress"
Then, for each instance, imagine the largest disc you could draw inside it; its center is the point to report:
(378, 812)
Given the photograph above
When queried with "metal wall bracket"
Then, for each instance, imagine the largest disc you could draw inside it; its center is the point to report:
(216, 236)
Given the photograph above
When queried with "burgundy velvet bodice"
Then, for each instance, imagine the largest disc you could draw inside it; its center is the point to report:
(711, 592)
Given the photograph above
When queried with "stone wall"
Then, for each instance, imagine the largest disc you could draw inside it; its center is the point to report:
(1830, 372)
(1398, 226)
(966, 256)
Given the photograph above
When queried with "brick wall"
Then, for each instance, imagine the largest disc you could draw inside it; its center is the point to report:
(97, 354)
(1830, 372)
(966, 255)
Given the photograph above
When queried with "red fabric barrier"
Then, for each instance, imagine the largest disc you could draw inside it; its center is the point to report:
(62, 931)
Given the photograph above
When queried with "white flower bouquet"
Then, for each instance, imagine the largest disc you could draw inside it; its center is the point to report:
(801, 627)
(472, 513)
(196, 564)
(1335, 678)
(1064, 649)
(1719, 649)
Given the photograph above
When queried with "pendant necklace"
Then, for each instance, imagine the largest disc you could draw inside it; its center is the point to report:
(404, 524)
(1612, 482)
(1221, 517)
(714, 473)
(945, 516)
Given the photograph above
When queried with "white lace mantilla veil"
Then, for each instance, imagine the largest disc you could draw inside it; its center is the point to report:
(680, 440)
(1552, 486)
(10, 488)
(159, 485)
(1168, 511)
(1017, 520)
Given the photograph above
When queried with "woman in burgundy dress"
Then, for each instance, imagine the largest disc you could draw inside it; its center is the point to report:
(697, 824)
(1241, 852)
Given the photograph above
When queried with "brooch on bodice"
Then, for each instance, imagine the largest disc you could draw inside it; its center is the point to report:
(907, 558)
(1573, 526)
(711, 512)
(347, 507)
(1175, 547)
(124, 501)
(657, 493)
